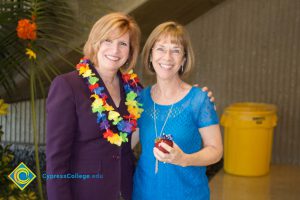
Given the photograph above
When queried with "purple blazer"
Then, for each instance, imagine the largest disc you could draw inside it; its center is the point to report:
(74, 144)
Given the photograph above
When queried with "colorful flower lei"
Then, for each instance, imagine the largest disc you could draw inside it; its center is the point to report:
(105, 113)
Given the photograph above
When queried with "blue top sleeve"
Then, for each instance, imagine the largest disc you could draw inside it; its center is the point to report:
(203, 110)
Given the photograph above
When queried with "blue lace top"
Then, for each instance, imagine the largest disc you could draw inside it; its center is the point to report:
(192, 112)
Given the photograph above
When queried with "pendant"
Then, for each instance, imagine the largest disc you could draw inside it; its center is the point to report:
(156, 166)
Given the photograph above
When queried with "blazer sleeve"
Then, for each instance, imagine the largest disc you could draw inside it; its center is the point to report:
(61, 128)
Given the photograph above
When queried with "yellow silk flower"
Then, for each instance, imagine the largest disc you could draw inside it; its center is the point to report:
(108, 107)
(136, 112)
(83, 69)
(30, 53)
(3, 107)
(115, 139)
(115, 116)
(87, 73)
(97, 105)
(132, 103)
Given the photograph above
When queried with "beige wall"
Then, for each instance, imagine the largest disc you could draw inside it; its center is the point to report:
(249, 50)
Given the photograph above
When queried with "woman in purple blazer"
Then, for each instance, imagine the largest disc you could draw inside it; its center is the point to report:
(91, 113)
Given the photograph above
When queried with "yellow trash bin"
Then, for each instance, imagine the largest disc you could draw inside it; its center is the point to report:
(248, 138)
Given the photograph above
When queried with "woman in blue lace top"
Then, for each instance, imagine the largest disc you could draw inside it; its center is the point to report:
(174, 110)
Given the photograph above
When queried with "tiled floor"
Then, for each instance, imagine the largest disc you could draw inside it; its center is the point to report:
(282, 183)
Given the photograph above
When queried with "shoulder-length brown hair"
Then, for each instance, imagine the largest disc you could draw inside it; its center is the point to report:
(178, 35)
(102, 30)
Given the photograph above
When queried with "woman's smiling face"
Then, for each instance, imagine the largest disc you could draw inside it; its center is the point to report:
(167, 57)
(113, 53)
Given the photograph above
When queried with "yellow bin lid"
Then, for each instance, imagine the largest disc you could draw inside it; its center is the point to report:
(249, 114)
(251, 108)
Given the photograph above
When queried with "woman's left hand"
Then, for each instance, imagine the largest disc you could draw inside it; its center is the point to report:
(175, 156)
(209, 94)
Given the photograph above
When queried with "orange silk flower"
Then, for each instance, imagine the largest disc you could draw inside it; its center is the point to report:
(26, 29)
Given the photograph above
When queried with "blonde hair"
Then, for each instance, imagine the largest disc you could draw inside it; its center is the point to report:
(178, 35)
(102, 30)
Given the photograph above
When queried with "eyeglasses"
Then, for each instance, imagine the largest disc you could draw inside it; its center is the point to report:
(161, 51)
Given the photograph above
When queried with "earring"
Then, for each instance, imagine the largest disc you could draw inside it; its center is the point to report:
(181, 68)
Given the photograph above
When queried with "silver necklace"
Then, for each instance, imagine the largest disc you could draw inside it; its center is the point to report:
(162, 129)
